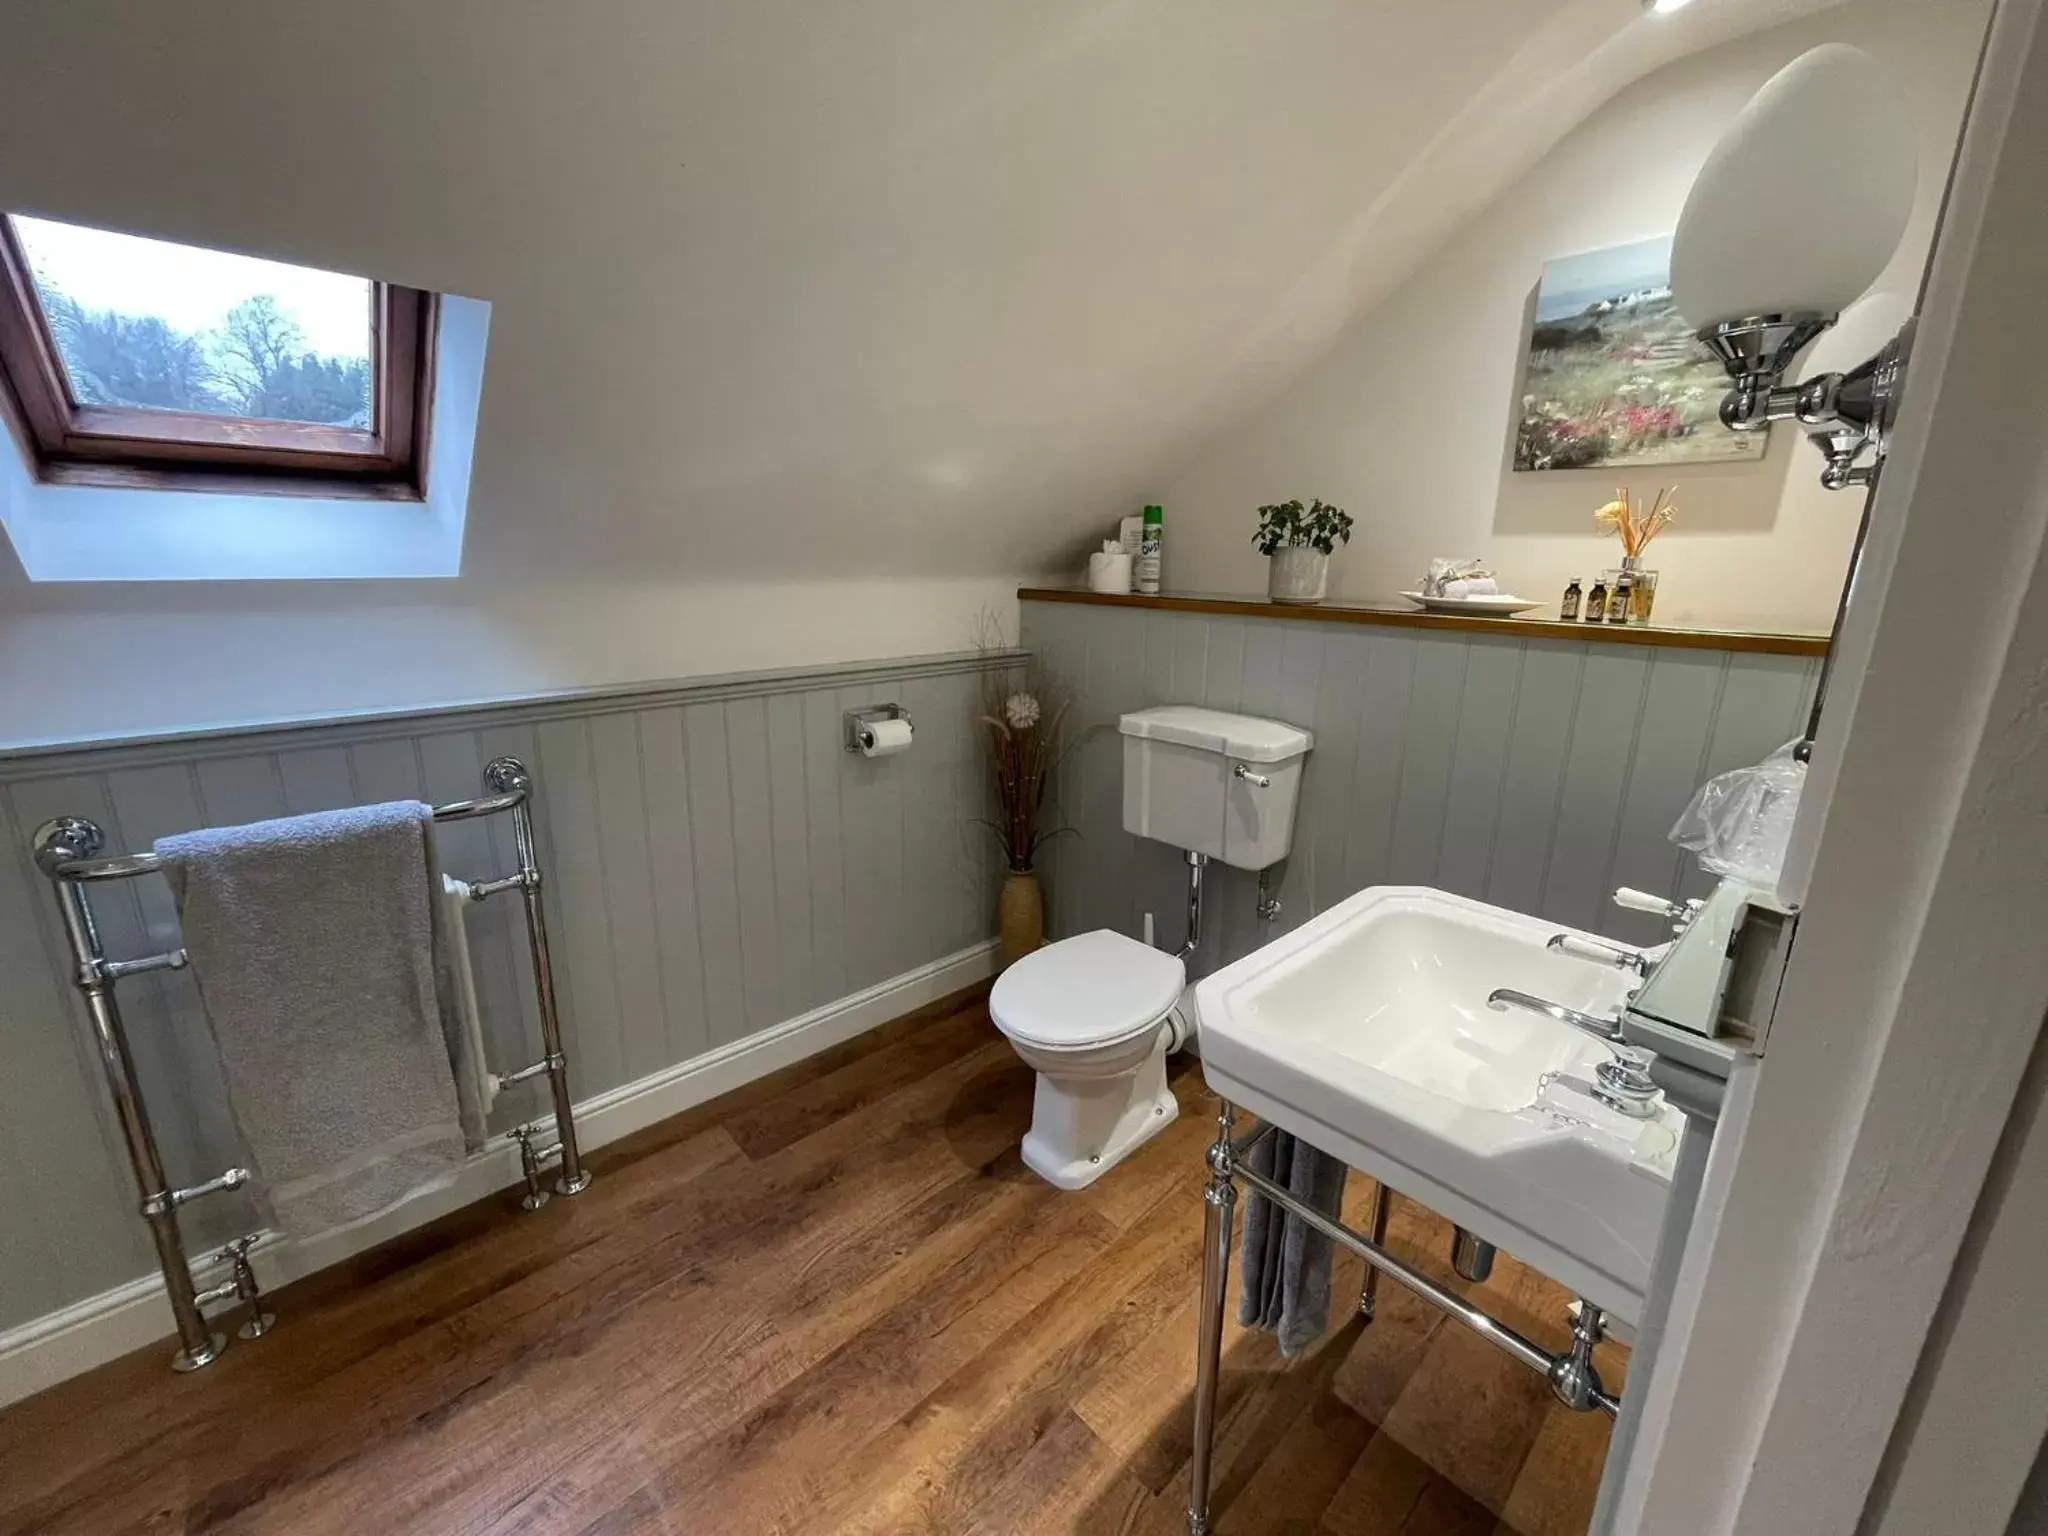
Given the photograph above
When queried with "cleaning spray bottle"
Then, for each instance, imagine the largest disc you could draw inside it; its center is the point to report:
(1150, 547)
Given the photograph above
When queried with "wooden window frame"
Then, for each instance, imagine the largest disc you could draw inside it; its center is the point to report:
(71, 443)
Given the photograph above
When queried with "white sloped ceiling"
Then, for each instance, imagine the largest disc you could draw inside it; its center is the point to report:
(827, 288)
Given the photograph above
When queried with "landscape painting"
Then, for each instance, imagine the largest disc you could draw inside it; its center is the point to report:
(1615, 376)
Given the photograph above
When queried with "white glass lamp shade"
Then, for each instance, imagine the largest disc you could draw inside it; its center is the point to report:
(1859, 335)
(1803, 200)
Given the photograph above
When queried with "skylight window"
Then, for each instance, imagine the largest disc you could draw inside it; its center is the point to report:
(129, 360)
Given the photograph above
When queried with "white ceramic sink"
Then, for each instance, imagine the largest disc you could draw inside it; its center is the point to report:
(1366, 1031)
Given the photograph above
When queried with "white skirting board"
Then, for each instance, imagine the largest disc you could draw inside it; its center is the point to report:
(68, 1342)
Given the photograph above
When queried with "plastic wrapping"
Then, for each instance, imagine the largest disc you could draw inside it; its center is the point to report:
(1442, 574)
(1740, 822)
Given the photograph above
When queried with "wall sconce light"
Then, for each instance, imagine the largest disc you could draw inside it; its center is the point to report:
(1793, 216)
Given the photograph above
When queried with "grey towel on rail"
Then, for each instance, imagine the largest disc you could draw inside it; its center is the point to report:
(312, 942)
(1284, 1266)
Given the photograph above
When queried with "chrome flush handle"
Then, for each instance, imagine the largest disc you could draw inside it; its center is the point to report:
(1256, 780)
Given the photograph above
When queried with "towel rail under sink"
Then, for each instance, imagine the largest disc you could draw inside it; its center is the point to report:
(68, 851)
(1571, 1375)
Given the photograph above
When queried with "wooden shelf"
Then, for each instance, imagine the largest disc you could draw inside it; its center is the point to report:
(1415, 618)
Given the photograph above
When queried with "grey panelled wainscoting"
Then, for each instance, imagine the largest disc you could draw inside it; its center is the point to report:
(716, 864)
(1537, 774)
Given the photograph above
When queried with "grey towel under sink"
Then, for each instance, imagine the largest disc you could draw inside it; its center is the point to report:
(312, 940)
(1284, 1266)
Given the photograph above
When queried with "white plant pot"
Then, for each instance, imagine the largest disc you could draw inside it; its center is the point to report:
(1297, 574)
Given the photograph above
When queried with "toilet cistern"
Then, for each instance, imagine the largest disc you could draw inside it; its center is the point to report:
(1096, 1015)
(1217, 784)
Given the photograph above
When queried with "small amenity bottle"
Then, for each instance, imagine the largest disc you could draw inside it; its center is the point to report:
(1618, 600)
(1596, 602)
(1150, 551)
(1569, 608)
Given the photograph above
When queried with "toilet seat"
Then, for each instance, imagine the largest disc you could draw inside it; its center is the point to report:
(1093, 990)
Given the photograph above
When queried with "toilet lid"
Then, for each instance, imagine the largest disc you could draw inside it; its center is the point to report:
(1087, 990)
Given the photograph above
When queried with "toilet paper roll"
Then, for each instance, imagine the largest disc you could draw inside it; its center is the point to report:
(1109, 573)
(885, 738)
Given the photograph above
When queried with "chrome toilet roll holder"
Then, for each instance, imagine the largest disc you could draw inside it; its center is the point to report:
(860, 721)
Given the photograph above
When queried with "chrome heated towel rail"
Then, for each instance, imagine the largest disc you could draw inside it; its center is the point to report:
(68, 851)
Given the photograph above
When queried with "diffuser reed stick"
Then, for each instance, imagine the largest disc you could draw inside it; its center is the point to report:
(1634, 524)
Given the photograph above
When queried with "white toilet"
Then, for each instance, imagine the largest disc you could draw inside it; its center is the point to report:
(1095, 1016)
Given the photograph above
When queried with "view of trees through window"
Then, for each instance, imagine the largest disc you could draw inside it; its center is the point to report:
(148, 323)
(255, 364)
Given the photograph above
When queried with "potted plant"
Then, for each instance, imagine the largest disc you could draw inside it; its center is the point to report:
(1299, 541)
(1022, 712)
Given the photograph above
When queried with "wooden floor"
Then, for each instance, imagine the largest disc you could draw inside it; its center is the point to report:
(834, 1301)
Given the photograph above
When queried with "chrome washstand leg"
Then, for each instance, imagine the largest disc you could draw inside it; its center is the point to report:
(1573, 1377)
(1382, 1198)
(1219, 1207)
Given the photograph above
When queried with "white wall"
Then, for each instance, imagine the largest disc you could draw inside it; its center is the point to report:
(157, 658)
(790, 301)
(905, 295)
(1407, 421)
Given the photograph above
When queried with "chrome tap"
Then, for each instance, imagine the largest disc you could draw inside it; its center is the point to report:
(1503, 998)
(1623, 1082)
(1621, 956)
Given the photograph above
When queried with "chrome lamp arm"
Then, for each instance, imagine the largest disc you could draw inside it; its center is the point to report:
(1845, 413)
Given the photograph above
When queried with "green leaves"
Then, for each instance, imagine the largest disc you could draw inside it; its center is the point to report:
(1290, 525)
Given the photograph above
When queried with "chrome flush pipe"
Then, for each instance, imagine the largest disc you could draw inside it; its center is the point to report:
(1196, 863)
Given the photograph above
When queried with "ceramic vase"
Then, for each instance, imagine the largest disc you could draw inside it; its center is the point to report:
(1020, 915)
(1297, 574)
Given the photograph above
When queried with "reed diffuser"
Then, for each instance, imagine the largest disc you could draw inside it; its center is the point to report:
(1023, 712)
(1635, 525)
